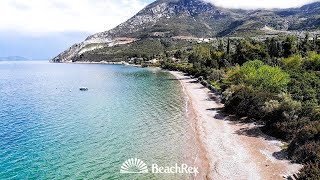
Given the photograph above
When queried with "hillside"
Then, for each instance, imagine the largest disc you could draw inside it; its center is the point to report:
(13, 58)
(191, 19)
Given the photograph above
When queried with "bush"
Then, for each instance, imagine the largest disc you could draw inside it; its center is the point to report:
(244, 101)
(285, 100)
(260, 76)
(217, 75)
(281, 116)
(305, 153)
(310, 172)
(305, 86)
(305, 147)
(315, 114)
(293, 62)
(249, 50)
(313, 62)
(184, 67)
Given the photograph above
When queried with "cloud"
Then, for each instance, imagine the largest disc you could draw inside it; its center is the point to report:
(47, 16)
(254, 4)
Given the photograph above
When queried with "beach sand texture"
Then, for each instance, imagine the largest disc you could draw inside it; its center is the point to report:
(231, 149)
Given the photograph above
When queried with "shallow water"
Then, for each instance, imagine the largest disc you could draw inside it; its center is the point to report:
(50, 129)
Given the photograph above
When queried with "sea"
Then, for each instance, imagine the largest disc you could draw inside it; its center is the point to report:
(49, 129)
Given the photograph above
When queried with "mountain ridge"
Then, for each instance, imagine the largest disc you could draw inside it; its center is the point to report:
(13, 58)
(196, 18)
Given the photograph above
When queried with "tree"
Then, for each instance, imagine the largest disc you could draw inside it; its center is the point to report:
(247, 51)
(306, 44)
(220, 46)
(316, 44)
(193, 58)
(260, 76)
(178, 54)
(201, 55)
(293, 62)
(239, 56)
(274, 48)
(312, 62)
(305, 86)
(228, 46)
(217, 57)
(289, 47)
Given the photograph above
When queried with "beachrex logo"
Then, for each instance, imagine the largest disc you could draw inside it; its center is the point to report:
(181, 169)
(135, 165)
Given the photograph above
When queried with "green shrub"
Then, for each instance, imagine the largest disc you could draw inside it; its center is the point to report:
(305, 147)
(305, 86)
(260, 76)
(281, 116)
(315, 114)
(217, 75)
(310, 171)
(286, 101)
(293, 62)
(305, 153)
(244, 101)
(312, 62)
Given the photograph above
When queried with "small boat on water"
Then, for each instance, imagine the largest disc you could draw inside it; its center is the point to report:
(83, 89)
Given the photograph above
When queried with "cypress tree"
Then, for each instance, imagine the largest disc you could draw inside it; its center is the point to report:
(228, 46)
(220, 46)
(289, 47)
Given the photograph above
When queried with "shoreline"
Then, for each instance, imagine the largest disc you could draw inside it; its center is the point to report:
(231, 149)
(104, 62)
(200, 160)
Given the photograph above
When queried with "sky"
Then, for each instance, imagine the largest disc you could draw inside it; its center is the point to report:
(254, 4)
(41, 29)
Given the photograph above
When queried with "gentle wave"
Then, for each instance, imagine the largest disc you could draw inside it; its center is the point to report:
(50, 129)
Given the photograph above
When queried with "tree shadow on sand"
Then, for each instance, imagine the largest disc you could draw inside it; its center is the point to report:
(184, 78)
(281, 155)
(177, 79)
(250, 129)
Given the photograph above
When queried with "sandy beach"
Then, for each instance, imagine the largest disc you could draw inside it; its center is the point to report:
(231, 149)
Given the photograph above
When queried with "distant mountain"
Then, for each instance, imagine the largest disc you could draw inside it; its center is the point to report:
(13, 58)
(187, 19)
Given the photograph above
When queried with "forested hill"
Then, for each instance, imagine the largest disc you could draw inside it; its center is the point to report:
(190, 19)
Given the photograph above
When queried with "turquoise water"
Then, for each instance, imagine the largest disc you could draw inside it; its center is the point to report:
(51, 130)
